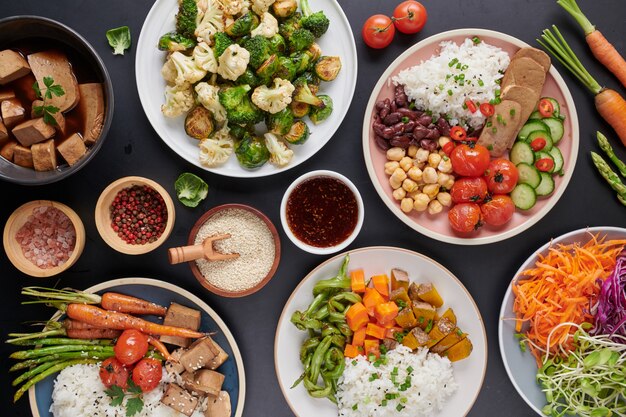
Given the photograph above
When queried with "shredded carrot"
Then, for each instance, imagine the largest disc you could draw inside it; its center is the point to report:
(561, 288)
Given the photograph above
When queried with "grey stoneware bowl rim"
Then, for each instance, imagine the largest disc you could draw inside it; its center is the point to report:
(84, 48)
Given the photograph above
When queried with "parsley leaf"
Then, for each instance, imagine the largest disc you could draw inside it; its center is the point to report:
(46, 110)
(37, 89)
(133, 406)
(133, 388)
(116, 394)
(56, 90)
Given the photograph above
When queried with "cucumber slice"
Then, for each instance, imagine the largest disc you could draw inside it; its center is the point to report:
(531, 126)
(555, 105)
(544, 135)
(535, 115)
(524, 196)
(558, 158)
(543, 154)
(546, 186)
(521, 152)
(556, 128)
(528, 174)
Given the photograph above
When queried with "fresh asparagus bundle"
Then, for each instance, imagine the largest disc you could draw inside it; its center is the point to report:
(610, 176)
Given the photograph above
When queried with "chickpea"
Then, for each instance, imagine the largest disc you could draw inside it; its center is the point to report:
(412, 151)
(421, 202)
(399, 194)
(395, 154)
(434, 207)
(445, 165)
(443, 140)
(431, 190)
(448, 185)
(406, 163)
(391, 166)
(444, 199)
(415, 173)
(422, 155)
(406, 205)
(409, 185)
(415, 193)
(396, 178)
(442, 179)
(429, 176)
(434, 159)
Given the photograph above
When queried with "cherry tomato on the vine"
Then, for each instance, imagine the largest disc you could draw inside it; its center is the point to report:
(378, 31)
(131, 346)
(499, 210)
(470, 161)
(469, 190)
(502, 176)
(410, 16)
(113, 372)
(465, 217)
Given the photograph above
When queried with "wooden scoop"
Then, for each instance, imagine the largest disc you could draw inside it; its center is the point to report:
(203, 250)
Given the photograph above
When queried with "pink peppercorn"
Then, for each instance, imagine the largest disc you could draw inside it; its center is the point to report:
(130, 207)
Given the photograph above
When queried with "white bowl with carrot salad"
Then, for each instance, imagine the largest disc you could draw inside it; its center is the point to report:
(562, 329)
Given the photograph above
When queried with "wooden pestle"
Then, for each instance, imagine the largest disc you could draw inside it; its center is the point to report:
(203, 250)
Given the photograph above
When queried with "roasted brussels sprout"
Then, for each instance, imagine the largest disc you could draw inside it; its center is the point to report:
(248, 77)
(252, 152)
(286, 69)
(289, 26)
(243, 25)
(317, 114)
(173, 41)
(239, 131)
(298, 134)
(267, 69)
(284, 8)
(279, 123)
(302, 60)
(314, 51)
(328, 67)
(299, 109)
(199, 123)
(277, 44)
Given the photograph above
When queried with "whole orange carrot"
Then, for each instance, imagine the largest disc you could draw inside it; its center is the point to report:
(601, 48)
(126, 304)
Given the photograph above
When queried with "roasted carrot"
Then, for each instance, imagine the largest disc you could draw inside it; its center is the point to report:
(381, 283)
(356, 316)
(160, 347)
(375, 331)
(357, 280)
(121, 321)
(93, 333)
(351, 351)
(601, 48)
(126, 304)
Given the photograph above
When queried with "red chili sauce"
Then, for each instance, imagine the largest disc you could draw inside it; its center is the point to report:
(322, 211)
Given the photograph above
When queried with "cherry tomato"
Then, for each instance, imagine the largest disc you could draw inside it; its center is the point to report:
(410, 16)
(147, 374)
(502, 176)
(448, 147)
(465, 217)
(470, 106)
(469, 190)
(546, 109)
(378, 31)
(545, 165)
(470, 161)
(498, 211)
(487, 109)
(538, 144)
(458, 133)
(113, 372)
(131, 346)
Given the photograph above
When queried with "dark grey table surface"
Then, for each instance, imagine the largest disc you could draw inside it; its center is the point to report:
(133, 148)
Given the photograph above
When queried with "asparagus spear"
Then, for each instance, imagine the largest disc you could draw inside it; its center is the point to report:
(34, 353)
(100, 354)
(610, 176)
(34, 371)
(60, 341)
(608, 150)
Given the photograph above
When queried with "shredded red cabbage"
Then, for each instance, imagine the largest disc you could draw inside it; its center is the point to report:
(610, 315)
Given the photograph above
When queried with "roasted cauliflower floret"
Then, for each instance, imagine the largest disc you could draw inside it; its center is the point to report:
(216, 150)
(233, 7)
(268, 26)
(181, 69)
(178, 100)
(233, 62)
(208, 97)
(205, 57)
(273, 99)
(280, 154)
(261, 6)
(211, 23)
(169, 73)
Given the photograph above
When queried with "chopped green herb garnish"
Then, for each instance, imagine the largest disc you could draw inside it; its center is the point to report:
(373, 377)
(355, 406)
(464, 106)
(481, 82)
(522, 345)
(371, 357)
(476, 40)
(500, 119)
(454, 61)
(494, 130)
(512, 112)
(399, 336)
(489, 124)
(383, 403)
(497, 93)
(421, 320)
(354, 362)
(401, 304)
(411, 105)
(405, 119)
(450, 92)
(464, 67)
(394, 371)
(458, 331)
(409, 369)
(399, 407)
(383, 351)
(429, 327)
(498, 81)
(47, 111)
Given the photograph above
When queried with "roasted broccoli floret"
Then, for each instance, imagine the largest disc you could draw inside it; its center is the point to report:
(221, 41)
(259, 48)
(290, 25)
(173, 41)
(300, 39)
(328, 67)
(298, 134)
(277, 44)
(252, 152)
(248, 77)
(284, 8)
(303, 93)
(317, 114)
(243, 25)
(286, 69)
(316, 22)
(239, 107)
(279, 123)
(186, 18)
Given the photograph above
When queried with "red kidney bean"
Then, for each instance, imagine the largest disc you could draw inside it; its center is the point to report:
(411, 114)
(409, 126)
(393, 106)
(378, 128)
(420, 132)
(400, 96)
(443, 126)
(402, 141)
(433, 134)
(425, 120)
(381, 142)
(392, 118)
(388, 133)
(398, 128)
(384, 112)
(428, 144)
(380, 104)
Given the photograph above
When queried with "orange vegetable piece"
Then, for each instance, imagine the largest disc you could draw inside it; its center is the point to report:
(359, 336)
(386, 312)
(351, 351)
(375, 331)
(381, 283)
(357, 280)
(391, 332)
(372, 347)
(356, 316)
(399, 279)
(372, 298)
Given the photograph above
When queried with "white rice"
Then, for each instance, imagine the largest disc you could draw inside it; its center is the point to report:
(431, 383)
(78, 392)
(435, 84)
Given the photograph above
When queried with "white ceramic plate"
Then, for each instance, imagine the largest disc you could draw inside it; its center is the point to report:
(437, 226)
(521, 366)
(151, 86)
(163, 293)
(468, 373)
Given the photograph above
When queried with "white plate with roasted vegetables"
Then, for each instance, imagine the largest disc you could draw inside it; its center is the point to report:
(380, 331)
(246, 88)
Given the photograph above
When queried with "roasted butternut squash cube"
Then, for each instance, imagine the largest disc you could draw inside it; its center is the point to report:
(428, 293)
(415, 338)
(400, 294)
(459, 351)
(423, 313)
(448, 341)
(406, 319)
(399, 279)
(449, 314)
(441, 329)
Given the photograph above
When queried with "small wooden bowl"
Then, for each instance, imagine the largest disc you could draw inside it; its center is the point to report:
(14, 250)
(219, 291)
(103, 216)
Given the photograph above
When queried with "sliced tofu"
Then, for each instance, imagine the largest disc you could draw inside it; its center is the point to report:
(179, 399)
(4, 134)
(180, 316)
(72, 149)
(7, 149)
(58, 116)
(219, 359)
(525, 72)
(173, 365)
(13, 112)
(203, 382)
(55, 64)
(218, 406)
(535, 54)
(22, 156)
(526, 97)
(501, 128)
(44, 156)
(91, 107)
(199, 354)
(6, 94)
(12, 66)
(33, 131)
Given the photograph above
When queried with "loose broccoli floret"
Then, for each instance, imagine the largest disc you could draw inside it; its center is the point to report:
(303, 93)
(186, 18)
(259, 48)
(277, 44)
(221, 42)
(173, 41)
(243, 25)
(316, 22)
(239, 107)
(300, 39)
(328, 67)
(318, 115)
(252, 152)
(248, 77)
(286, 69)
(298, 134)
(279, 123)
(290, 25)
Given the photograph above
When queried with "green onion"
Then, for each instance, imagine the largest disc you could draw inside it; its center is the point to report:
(476, 40)
(355, 406)
(481, 82)
(450, 92)
(383, 403)
(454, 61)
(409, 369)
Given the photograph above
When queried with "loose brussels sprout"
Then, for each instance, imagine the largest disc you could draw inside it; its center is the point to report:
(298, 134)
(279, 123)
(267, 69)
(299, 109)
(286, 69)
(317, 114)
(302, 60)
(243, 25)
(284, 8)
(328, 67)
(190, 189)
(277, 44)
(199, 123)
(248, 77)
(252, 152)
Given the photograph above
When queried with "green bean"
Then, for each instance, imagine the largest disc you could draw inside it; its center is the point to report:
(32, 372)
(340, 281)
(103, 354)
(345, 329)
(318, 301)
(308, 347)
(322, 313)
(337, 317)
(34, 353)
(302, 322)
(318, 356)
(329, 330)
(339, 341)
(61, 341)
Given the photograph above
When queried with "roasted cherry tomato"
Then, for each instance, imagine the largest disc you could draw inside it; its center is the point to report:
(448, 147)
(502, 176)
(487, 109)
(378, 31)
(470, 106)
(113, 372)
(458, 133)
(469, 190)
(465, 217)
(410, 16)
(147, 374)
(498, 211)
(545, 164)
(131, 346)
(538, 144)
(470, 161)
(546, 109)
